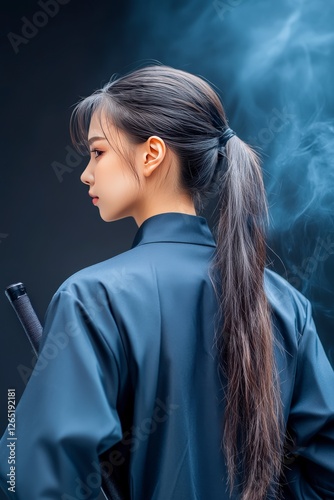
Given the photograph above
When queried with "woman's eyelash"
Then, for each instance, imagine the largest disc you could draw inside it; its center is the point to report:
(96, 151)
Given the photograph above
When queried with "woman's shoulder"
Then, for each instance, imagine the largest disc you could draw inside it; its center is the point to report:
(288, 304)
(114, 273)
(278, 288)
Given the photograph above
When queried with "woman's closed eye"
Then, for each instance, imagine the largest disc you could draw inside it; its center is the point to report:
(96, 151)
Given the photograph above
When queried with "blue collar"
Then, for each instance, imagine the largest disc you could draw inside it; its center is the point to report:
(174, 227)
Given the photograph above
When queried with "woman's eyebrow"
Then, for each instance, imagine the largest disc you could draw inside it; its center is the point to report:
(95, 138)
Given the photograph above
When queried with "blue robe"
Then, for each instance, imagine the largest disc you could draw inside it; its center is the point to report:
(127, 371)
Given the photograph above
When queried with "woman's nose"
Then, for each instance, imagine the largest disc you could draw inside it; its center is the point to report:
(86, 177)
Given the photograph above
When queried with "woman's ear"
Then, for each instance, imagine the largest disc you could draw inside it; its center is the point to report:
(154, 152)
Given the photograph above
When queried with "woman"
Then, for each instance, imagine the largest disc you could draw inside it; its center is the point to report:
(184, 365)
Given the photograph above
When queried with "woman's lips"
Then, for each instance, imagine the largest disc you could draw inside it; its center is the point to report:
(95, 199)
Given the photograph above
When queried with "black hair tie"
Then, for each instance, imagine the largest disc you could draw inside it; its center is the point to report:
(226, 135)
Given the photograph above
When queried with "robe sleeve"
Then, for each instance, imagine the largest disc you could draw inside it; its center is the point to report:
(310, 474)
(67, 414)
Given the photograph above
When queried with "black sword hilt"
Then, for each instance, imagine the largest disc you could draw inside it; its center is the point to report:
(20, 301)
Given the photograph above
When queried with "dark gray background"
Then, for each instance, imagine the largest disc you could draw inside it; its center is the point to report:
(271, 63)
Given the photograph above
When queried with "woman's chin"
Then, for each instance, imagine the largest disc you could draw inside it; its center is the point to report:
(108, 217)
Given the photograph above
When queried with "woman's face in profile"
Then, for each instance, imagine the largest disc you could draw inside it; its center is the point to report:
(115, 189)
(108, 174)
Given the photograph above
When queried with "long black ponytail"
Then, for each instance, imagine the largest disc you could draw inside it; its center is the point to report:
(253, 407)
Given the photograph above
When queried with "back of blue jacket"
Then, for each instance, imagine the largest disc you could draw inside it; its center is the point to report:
(128, 375)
